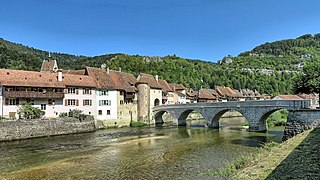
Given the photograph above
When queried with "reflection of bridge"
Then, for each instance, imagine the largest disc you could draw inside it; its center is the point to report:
(256, 112)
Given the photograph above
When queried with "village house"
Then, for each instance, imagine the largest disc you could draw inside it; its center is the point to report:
(208, 95)
(179, 93)
(116, 95)
(191, 95)
(54, 93)
(249, 94)
(314, 98)
(228, 94)
(287, 97)
(167, 93)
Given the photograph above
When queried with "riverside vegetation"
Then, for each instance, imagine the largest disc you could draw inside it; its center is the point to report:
(278, 161)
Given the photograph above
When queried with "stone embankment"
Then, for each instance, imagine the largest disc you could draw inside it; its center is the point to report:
(24, 129)
(300, 121)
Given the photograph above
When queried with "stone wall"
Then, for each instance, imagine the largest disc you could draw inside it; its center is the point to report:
(301, 120)
(24, 129)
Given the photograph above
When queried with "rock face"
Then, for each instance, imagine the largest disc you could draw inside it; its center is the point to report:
(301, 120)
(24, 129)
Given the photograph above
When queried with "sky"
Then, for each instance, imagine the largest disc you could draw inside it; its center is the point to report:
(195, 29)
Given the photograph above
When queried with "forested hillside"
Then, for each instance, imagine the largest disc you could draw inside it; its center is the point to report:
(269, 68)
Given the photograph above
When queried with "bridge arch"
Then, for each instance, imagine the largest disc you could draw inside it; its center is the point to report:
(215, 121)
(158, 117)
(263, 125)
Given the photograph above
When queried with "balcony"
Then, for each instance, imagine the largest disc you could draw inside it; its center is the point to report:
(129, 96)
(31, 94)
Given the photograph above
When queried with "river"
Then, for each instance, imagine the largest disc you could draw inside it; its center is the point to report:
(130, 153)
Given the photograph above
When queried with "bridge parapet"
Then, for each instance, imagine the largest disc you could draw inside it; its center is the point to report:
(288, 104)
(256, 112)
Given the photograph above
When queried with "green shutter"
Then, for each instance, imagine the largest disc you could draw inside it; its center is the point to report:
(107, 92)
(100, 93)
(100, 102)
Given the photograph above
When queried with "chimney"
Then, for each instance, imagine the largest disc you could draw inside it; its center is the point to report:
(108, 70)
(59, 76)
(103, 66)
(156, 77)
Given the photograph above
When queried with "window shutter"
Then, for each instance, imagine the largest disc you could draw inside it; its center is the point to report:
(66, 102)
(90, 91)
(107, 92)
(100, 93)
(83, 102)
(17, 101)
(77, 102)
(109, 103)
(90, 102)
(77, 91)
(100, 102)
(65, 91)
(6, 101)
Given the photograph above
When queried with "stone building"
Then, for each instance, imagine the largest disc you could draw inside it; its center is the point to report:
(150, 95)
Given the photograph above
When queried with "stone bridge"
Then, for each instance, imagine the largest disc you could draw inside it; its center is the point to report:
(256, 112)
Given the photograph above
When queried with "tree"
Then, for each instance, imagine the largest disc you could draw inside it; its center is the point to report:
(29, 112)
(309, 80)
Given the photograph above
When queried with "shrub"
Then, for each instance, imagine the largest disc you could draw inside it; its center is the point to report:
(63, 114)
(27, 111)
(137, 124)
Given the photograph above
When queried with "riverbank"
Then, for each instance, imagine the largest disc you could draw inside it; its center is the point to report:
(297, 158)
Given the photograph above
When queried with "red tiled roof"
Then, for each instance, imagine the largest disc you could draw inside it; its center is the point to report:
(290, 97)
(165, 86)
(29, 79)
(148, 79)
(226, 91)
(75, 72)
(207, 94)
(43, 79)
(48, 65)
(78, 80)
(112, 80)
(176, 87)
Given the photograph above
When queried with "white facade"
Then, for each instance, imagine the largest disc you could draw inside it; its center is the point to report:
(106, 105)
(83, 99)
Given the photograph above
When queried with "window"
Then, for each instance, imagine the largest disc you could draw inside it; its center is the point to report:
(71, 102)
(100, 112)
(87, 102)
(87, 91)
(104, 93)
(51, 101)
(121, 93)
(121, 101)
(13, 102)
(104, 102)
(43, 107)
(30, 101)
(71, 90)
(108, 112)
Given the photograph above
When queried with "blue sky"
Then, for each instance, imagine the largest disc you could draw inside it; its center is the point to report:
(196, 29)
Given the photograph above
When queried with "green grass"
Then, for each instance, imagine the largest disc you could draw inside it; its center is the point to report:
(137, 124)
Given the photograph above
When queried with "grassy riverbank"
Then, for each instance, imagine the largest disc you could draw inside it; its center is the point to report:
(297, 158)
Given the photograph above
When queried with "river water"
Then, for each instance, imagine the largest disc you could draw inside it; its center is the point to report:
(130, 153)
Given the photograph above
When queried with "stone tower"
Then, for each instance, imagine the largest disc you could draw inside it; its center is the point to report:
(143, 102)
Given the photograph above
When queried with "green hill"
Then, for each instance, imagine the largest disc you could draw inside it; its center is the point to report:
(269, 68)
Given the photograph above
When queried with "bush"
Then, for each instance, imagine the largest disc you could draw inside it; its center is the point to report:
(27, 111)
(278, 118)
(137, 124)
(78, 114)
(63, 114)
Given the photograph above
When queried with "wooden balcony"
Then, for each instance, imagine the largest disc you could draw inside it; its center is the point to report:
(31, 94)
(129, 96)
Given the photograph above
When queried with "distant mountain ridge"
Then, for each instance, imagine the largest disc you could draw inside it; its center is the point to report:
(281, 59)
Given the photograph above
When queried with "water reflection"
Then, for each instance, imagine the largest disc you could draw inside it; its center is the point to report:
(129, 153)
